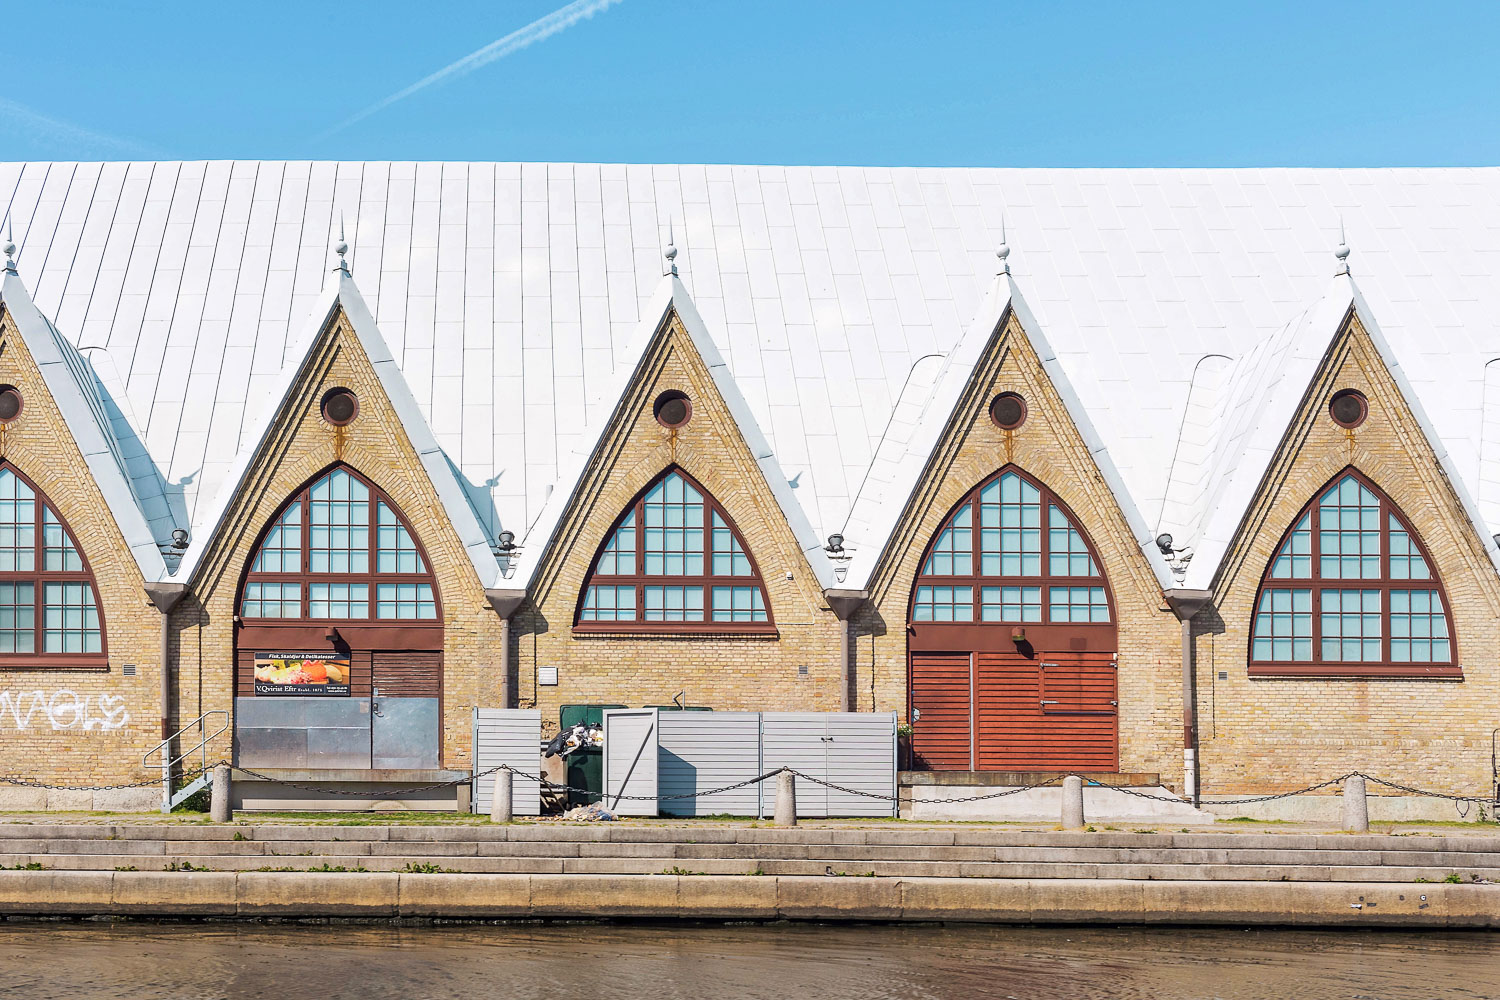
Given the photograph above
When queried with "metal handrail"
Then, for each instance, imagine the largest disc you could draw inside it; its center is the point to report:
(201, 748)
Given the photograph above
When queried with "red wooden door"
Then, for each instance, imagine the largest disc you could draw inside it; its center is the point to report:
(942, 703)
(1054, 712)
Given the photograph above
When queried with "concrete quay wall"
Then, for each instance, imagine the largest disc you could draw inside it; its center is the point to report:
(392, 895)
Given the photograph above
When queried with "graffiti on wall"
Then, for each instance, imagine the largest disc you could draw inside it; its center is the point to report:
(61, 709)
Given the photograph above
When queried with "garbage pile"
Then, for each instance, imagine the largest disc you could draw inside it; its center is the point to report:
(593, 813)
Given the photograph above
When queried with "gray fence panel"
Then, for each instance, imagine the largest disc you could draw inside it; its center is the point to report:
(797, 740)
(702, 750)
(630, 759)
(861, 755)
(508, 736)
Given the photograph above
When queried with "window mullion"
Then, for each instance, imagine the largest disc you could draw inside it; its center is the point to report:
(38, 555)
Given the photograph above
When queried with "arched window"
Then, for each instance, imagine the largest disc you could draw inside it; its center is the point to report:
(49, 608)
(341, 551)
(1351, 592)
(674, 562)
(1010, 552)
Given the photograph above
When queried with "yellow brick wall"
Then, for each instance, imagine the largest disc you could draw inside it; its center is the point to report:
(1048, 447)
(1266, 734)
(747, 673)
(100, 722)
(299, 446)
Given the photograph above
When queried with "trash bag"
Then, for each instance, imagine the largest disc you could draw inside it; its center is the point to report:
(594, 813)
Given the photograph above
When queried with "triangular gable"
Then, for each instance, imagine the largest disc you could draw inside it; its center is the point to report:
(343, 293)
(876, 512)
(75, 391)
(1286, 378)
(670, 296)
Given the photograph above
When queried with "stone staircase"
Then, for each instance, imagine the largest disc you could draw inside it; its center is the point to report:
(554, 848)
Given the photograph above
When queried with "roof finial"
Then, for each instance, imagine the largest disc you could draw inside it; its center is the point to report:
(341, 247)
(1342, 253)
(1003, 251)
(671, 251)
(10, 246)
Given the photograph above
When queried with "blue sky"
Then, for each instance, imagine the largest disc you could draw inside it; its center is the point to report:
(930, 83)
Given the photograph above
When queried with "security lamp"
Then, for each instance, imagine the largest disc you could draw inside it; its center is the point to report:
(836, 543)
(331, 634)
(507, 541)
(179, 538)
(1164, 542)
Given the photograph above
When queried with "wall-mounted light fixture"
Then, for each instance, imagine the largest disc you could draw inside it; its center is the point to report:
(507, 542)
(1018, 635)
(179, 538)
(1164, 543)
(835, 544)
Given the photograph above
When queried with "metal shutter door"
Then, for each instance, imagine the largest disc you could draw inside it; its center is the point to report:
(797, 740)
(630, 759)
(701, 750)
(861, 754)
(1017, 732)
(508, 736)
(942, 731)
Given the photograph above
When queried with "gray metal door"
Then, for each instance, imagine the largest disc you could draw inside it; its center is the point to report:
(511, 736)
(404, 733)
(630, 752)
(797, 740)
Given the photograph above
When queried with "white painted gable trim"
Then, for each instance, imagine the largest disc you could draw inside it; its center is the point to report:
(93, 440)
(670, 295)
(342, 292)
(1004, 296)
(1318, 331)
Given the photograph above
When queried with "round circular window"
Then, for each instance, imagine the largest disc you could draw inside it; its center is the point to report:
(1008, 411)
(672, 408)
(1348, 408)
(340, 406)
(10, 403)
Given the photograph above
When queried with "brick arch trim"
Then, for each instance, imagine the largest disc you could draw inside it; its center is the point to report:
(638, 580)
(1316, 584)
(39, 576)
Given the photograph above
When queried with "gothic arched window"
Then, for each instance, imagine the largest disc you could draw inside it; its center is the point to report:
(340, 550)
(1010, 552)
(1351, 592)
(674, 562)
(49, 606)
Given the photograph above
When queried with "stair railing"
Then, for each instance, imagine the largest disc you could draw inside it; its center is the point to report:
(168, 761)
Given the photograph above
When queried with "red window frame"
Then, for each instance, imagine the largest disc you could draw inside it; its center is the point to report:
(41, 577)
(640, 579)
(1316, 583)
(1045, 580)
(370, 578)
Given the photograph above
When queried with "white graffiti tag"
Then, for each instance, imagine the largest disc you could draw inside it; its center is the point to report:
(62, 709)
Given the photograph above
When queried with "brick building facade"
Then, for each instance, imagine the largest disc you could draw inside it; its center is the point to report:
(835, 418)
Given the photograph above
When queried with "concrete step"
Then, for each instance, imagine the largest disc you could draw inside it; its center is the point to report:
(668, 864)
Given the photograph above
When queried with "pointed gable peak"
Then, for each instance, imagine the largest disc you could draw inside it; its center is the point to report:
(1266, 391)
(75, 390)
(670, 299)
(341, 294)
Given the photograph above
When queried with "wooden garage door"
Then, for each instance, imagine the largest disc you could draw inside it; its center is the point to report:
(940, 694)
(1056, 712)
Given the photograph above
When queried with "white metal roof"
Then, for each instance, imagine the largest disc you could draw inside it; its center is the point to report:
(508, 294)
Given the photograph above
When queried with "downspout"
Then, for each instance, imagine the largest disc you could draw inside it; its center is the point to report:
(506, 603)
(1185, 604)
(165, 597)
(845, 604)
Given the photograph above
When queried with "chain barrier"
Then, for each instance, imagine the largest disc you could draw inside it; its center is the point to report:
(434, 786)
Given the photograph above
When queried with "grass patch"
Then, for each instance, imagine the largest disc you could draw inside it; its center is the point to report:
(427, 868)
(30, 866)
(184, 866)
(1252, 819)
(675, 870)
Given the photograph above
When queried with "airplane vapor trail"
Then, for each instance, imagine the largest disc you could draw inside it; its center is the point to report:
(542, 28)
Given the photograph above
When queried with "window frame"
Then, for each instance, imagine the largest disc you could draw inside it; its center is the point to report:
(1046, 580)
(40, 577)
(305, 577)
(1316, 583)
(639, 580)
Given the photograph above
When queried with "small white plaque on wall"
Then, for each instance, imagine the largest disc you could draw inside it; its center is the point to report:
(546, 676)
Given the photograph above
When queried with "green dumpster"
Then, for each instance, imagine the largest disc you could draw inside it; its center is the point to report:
(585, 766)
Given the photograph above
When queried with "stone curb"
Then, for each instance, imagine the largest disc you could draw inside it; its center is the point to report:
(720, 897)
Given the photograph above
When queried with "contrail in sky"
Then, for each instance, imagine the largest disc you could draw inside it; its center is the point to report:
(65, 135)
(543, 27)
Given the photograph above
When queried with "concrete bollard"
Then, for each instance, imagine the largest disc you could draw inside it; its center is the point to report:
(218, 799)
(1356, 806)
(1072, 802)
(786, 799)
(502, 803)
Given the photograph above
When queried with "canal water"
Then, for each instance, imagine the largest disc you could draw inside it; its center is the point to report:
(127, 961)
